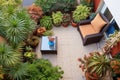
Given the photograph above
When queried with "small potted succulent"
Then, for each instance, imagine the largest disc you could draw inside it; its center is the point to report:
(80, 13)
(57, 18)
(46, 22)
(66, 19)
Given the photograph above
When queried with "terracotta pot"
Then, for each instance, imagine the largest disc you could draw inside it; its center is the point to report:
(90, 77)
(74, 24)
(65, 24)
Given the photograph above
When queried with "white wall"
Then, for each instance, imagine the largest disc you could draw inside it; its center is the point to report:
(114, 7)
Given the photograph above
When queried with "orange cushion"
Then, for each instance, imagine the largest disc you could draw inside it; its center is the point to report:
(87, 30)
(98, 23)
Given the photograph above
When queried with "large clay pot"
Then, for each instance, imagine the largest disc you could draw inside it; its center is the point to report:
(90, 77)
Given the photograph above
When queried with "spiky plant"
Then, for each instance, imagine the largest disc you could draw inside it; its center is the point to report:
(18, 72)
(18, 27)
(8, 57)
(2, 28)
(99, 64)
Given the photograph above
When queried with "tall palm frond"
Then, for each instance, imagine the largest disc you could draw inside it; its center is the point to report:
(19, 71)
(2, 28)
(8, 57)
(18, 27)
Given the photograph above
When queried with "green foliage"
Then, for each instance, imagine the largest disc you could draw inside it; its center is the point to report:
(8, 56)
(66, 5)
(99, 64)
(10, 2)
(30, 56)
(46, 22)
(81, 13)
(18, 26)
(46, 5)
(42, 69)
(57, 17)
(48, 33)
(18, 72)
(88, 3)
(66, 18)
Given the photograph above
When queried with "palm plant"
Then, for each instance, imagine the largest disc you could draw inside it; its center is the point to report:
(18, 72)
(2, 28)
(18, 27)
(8, 56)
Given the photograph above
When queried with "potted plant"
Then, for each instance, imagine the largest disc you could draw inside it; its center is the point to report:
(47, 6)
(112, 44)
(35, 12)
(40, 31)
(115, 65)
(80, 13)
(33, 41)
(19, 26)
(66, 19)
(46, 22)
(96, 65)
(57, 18)
(42, 69)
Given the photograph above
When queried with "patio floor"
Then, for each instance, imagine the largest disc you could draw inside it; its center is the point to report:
(70, 48)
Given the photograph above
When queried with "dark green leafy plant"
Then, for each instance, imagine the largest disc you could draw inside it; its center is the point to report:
(46, 22)
(46, 5)
(66, 5)
(42, 69)
(88, 3)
